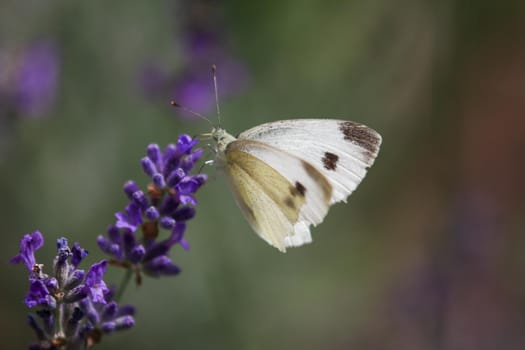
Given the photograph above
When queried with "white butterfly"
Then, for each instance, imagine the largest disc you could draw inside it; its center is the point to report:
(286, 174)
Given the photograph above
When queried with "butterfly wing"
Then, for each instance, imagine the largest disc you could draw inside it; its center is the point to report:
(279, 204)
(342, 151)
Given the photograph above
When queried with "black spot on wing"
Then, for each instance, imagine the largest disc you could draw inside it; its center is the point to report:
(361, 135)
(300, 188)
(330, 161)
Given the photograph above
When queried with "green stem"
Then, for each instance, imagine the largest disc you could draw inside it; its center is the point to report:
(123, 284)
(60, 333)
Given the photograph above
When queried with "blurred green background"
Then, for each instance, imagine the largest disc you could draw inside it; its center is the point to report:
(427, 254)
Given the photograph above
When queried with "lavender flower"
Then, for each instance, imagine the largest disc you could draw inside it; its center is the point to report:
(169, 202)
(63, 320)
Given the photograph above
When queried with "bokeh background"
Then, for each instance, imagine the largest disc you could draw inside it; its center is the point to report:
(427, 254)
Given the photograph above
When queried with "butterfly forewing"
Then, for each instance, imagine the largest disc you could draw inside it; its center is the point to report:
(341, 151)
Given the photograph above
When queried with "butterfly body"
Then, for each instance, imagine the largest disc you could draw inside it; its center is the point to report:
(286, 174)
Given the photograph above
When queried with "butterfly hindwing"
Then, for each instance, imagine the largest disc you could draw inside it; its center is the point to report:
(258, 190)
(290, 185)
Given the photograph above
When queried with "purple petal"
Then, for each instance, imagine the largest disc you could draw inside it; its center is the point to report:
(76, 294)
(158, 180)
(157, 249)
(152, 213)
(28, 245)
(130, 187)
(148, 166)
(188, 185)
(51, 284)
(175, 176)
(137, 254)
(184, 244)
(109, 311)
(140, 198)
(78, 254)
(95, 283)
(126, 310)
(38, 294)
(124, 322)
(167, 223)
(109, 248)
(154, 154)
(114, 234)
(187, 200)
(131, 219)
(185, 143)
(177, 233)
(161, 265)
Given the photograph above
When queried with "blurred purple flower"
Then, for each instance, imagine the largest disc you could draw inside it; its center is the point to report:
(36, 81)
(194, 87)
(29, 79)
(202, 47)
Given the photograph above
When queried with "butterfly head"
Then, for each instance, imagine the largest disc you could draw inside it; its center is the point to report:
(221, 138)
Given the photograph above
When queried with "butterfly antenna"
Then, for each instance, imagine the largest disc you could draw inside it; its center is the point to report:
(214, 72)
(186, 109)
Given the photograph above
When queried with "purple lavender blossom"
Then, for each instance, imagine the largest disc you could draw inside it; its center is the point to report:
(167, 205)
(63, 320)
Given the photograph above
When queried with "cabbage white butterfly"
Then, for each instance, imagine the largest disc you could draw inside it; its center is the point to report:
(285, 175)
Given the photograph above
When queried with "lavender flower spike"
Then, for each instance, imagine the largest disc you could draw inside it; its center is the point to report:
(63, 320)
(166, 205)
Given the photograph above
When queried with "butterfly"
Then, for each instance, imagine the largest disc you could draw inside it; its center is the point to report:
(286, 174)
